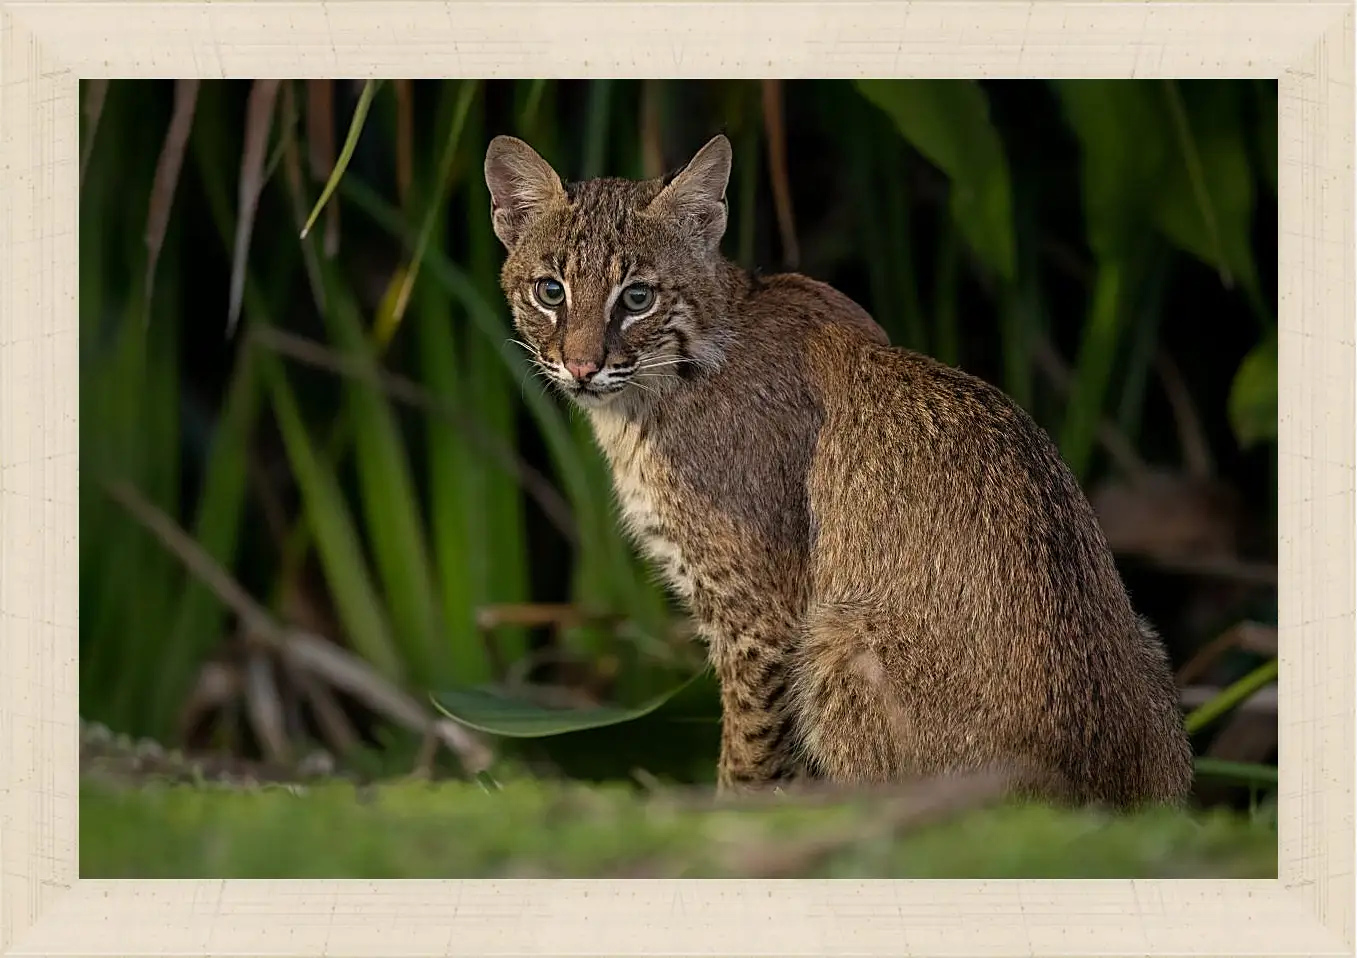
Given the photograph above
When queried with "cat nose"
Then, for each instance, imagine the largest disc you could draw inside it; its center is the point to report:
(581, 370)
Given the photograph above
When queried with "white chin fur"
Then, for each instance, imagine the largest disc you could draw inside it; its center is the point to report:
(588, 400)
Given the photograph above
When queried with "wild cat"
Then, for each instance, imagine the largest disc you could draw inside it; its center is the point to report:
(894, 572)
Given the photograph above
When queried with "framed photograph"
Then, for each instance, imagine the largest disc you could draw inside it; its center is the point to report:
(702, 477)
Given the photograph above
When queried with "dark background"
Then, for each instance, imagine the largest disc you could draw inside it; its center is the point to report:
(1103, 250)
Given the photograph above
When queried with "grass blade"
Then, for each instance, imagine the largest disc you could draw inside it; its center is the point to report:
(360, 115)
(167, 174)
(336, 538)
(388, 499)
(775, 129)
(405, 138)
(388, 322)
(258, 121)
(653, 102)
(199, 618)
(1097, 354)
(748, 199)
(1193, 162)
(1205, 204)
(320, 141)
(148, 454)
(596, 129)
(91, 108)
(455, 550)
(1230, 697)
(1246, 773)
(948, 122)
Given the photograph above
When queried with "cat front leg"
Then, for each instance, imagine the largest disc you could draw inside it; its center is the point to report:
(758, 738)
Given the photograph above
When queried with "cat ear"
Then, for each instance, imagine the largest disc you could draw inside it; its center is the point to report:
(696, 196)
(522, 185)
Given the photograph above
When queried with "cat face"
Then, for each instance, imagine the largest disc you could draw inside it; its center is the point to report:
(606, 278)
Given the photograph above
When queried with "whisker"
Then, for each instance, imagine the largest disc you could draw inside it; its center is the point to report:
(523, 383)
(655, 364)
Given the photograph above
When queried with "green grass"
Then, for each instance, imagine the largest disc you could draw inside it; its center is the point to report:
(536, 829)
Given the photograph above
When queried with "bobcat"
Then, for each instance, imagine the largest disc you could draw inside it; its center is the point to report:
(894, 572)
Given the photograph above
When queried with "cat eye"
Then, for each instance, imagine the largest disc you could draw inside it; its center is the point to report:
(638, 297)
(549, 293)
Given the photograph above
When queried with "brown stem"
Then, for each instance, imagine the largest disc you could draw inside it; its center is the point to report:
(302, 650)
(775, 129)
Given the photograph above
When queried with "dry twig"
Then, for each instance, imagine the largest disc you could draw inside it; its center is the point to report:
(264, 706)
(652, 148)
(1191, 434)
(1249, 636)
(258, 123)
(301, 650)
(320, 139)
(96, 95)
(167, 175)
(405, 137)
(335, 727)
(1219, 567)
(775, 128)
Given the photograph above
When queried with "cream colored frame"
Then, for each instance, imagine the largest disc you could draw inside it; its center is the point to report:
(47, 44)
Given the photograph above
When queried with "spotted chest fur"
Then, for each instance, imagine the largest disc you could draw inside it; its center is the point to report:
(639, 478)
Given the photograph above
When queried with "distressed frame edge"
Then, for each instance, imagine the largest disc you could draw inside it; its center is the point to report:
(108, 58)
(1322, 82)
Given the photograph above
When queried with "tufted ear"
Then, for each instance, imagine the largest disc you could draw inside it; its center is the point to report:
(696, 196)
(522, 185)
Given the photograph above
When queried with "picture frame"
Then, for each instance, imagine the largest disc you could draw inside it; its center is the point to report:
(47, 46)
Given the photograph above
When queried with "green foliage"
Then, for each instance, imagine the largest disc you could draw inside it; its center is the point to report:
(1207, 197)
(1231, 697)
(1253, 396)
(1124, 139)
(1167, 157)
(199, 617)
(355, 593)
(518, 716)
(129, 434)
(1249, 773)
(360, 115)
(1160, 161)
(328, 492)
(948, 122)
